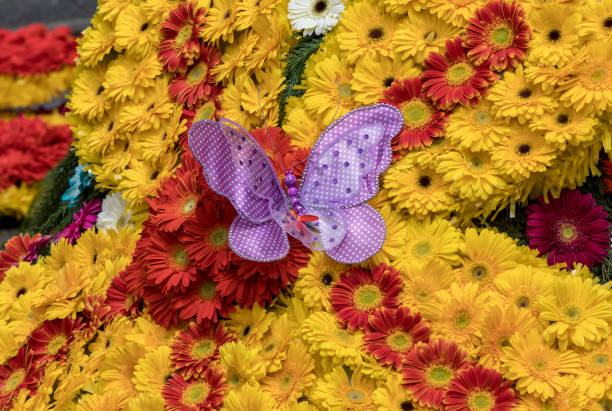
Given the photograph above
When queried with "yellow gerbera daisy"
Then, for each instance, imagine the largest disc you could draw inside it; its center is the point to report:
(135, 33)
(273, 32)
(142, 180)
(476, 128)
(250, 325)
(274, 344)
(248, 398)
(96, 42)
(260, 93)
(392, 396)
(571, 398)
(22, 279)
(148, 333)
(591, 83)
(498, 326)
(221, 21)
(242, 365)
(128, 77)
(422, 282)
(315, 280)
(537, 368)
(248, 11)
(234, 56)
(596, 20)
(566, 125)
(328, 89)
(521, 286)
(146, 402)
(303, 128)
(403, 7)
(455, 12)
(327, 339)
(417, 189)
(365, 29)
(515, 97)
(151, 371)
(430, 156)
(458, 314)
(336, 391)
(152, 144)
(60, 253)
(88, 99)
(118, 367)
(421, 33)
(104, 399)
(427, 240)
(232, 106)
(555, 38)
(25, 315)
(548, 76)
(596, 372)
(374, 73)
(110, 9)
(471, 175)
(579, 311)
(523, 153)
(286, 385)
(485, 255)
(149, 112)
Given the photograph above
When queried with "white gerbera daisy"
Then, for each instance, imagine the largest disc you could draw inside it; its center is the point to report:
(113, 214)
(318, 16)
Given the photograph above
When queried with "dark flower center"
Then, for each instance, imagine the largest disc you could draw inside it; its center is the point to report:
(320, 6)
(406, 406)
(154, 175)
(226, 15)
(608, 23)
(111, 125)
(554, 35)
(376, 33)
(524, 149)
(247, 329)
(100, 90)
(562, 119)
(144, 27)
(525, 93)
(388, 81)
(21, 291)
(326, 279)
(430, 36)
(424, 181)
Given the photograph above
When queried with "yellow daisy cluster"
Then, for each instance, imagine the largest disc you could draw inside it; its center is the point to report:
(539, 129)
(124, 123)
(15, 200)
(24, 91)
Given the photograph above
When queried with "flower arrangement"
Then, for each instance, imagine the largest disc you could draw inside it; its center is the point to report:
(134, 299)
(36, 65)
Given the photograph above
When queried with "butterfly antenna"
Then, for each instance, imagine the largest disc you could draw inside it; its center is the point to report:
(338, 106)
(263, 116)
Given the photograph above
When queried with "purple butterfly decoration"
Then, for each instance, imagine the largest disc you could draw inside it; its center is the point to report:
(341, 174)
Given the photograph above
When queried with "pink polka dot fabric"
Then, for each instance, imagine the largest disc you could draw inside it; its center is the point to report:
(341, 174)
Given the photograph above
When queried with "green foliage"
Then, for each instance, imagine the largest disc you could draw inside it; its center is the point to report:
(294, 68)
(48, 212)
(514, 227)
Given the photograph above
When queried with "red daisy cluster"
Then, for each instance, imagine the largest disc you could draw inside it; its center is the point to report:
(359, 293)
(35, 49)
(30, 148)
(197, 85)
(20, 372)
(15, 250)
(181, 37)
(570, 229)
(195, 394)
(438, 375)
(183, 267)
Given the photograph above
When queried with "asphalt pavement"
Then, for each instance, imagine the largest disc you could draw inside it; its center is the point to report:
(75, 14)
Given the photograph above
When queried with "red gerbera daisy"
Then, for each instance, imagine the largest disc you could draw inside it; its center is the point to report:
(499, 34)
(422, 121)
(161, 307)
(167, 263)
(181, 32)
(479, 388)
(51, 340)
(202, 302)
(178, 198)
(571, 229)
(206, 238)
(390, 334)
(252, 282)
(197, 83)
(195, 394)
(95, 314)
(296, 160)
(452, 78)
(119, 299)
(15, 251)
(16, 374)
(359, 293)
(204, 110)
(194, 348)
(277, 144)
(428, 371)
(607, 179)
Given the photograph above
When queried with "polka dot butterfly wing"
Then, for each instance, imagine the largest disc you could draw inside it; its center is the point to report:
(342, 173)
(236, 167)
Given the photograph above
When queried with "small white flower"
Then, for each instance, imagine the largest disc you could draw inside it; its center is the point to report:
(318, 16)
(113, 214)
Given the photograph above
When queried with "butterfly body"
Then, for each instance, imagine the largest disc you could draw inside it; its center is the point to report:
(327, 211)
